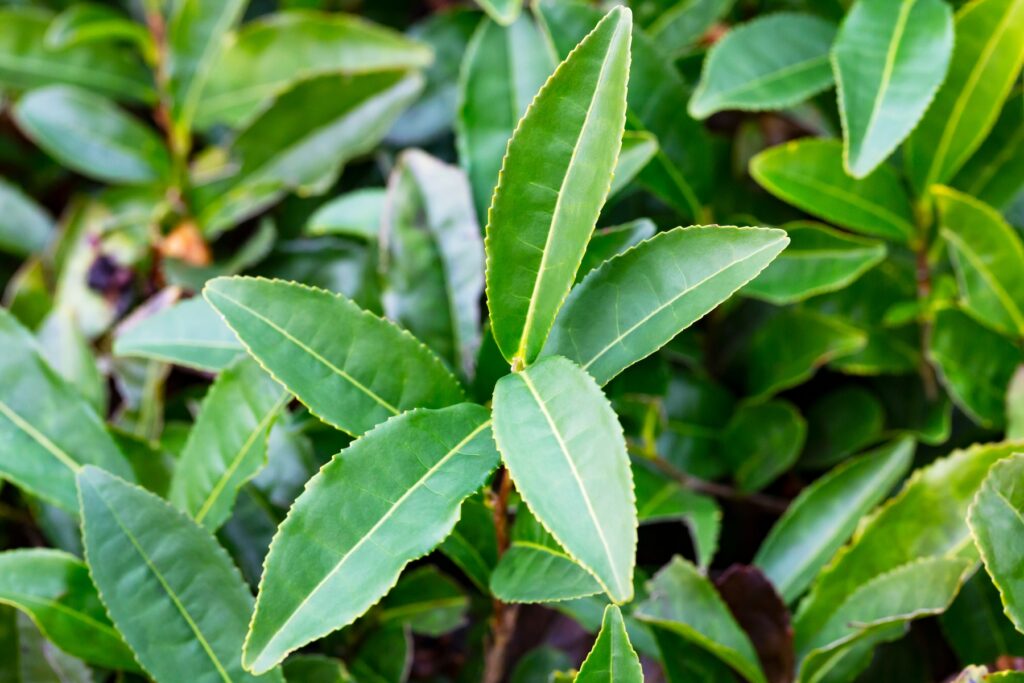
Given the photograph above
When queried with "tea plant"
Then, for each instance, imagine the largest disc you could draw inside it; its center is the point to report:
(395, 343)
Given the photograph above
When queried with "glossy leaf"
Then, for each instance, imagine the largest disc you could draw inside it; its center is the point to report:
(356, 214)
(273, 53)
(987, 55)
(542, 215)
(25, 226)
(809, 174)
(995, 173)
(707, 265)
(335, 375)
(825, 514)
(564, 448)
(158, 558)
(685, 602)
(889, 60)
(770, 63)
(762, 441)
(817, 260)
(89, 134)
(609, 242)
(638, 149)
(47, 430)
(612, 659)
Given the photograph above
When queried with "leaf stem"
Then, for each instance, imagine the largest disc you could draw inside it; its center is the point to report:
(503, 621)
(923, 276)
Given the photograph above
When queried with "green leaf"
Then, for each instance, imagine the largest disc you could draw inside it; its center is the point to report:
(196, 33)
(809, 174)
(505, 12)
(385, 656)
(975, 364)
(682, 25)
(30, 658)
(683, 601)
(607, 243)
(995, 523)
(564, 447)
(434, 257)
(988, 256)
(25, 227)
(164, 579)
(27, 62)
(351, 532)
(762, 441)
(66, 349)
(826, 513)
(660, 499)
(54, 589)
(543, 214)
(697, 410)
(502, 70)
(472, 544)
(315, 669)
(974, 625)
(228, 443)
(638, 149)
(336, 375)
(925, 520)
(773, 62)
(665, 284)
(995, 173)
(840, 423)
(428, 601)
(355, 214)
(612, 659)
(89, 134)
(889, 60)
(271, 54)
(189, 333)
(987, 55)
(47, 430)
(85, 23)
(817, 260)
(789, 348)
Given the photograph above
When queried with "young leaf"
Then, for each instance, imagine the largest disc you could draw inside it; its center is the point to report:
(682, 600)
(163, 579)
(817, 260)
(889, 59)
(762, 441)
(333, 369)
(54, 589)
(988, 53)
(996, 524)
(809, 174)
(665, 284)
(355, 214)
(189, 333)
(825, 515)
(273, 53)
(47, 430)
(770, 63)
(554, 180)
(88, 133)
(612, 659)
(989, 259)
(351, 532)
(228, 443)
(564, 447)
(25, 228)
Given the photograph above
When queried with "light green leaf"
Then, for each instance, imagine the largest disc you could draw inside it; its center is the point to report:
(88, 133)
(665, 284)
(683, 601)
(433, 260)
(84, 23)
(606, 243)
(431, 603)
(809, 174)
(189, 333)
(995, 173)
(196, 33)
(228, 443)
(659, 499)
(772, 62)
(1015, 406)
(66, 349)
(47, 430)
(271, 54)
(988, 53)
(350, 533)
(332, 369)
(996, 524)
(638, 149)
(762, 441)
(975, 364)
(817, 260)
(682, 25)
(25, 227)
(543, 214)
(54, 589)
(27, 62)
(612, 659)
(564, 447)
(789, 348)
(164, 579)
(988, 256)
(889, 60)
(505, 12)
(826, 513)
(355, 214)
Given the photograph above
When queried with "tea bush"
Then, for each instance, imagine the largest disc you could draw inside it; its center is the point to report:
(676, 340)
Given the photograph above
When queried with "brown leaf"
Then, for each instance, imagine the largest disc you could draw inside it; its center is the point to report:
(763, 615)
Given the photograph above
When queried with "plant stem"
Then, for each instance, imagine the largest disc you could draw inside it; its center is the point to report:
(923, 276)
(503, 621)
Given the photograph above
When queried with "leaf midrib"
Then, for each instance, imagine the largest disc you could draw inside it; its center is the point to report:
(40, 438)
